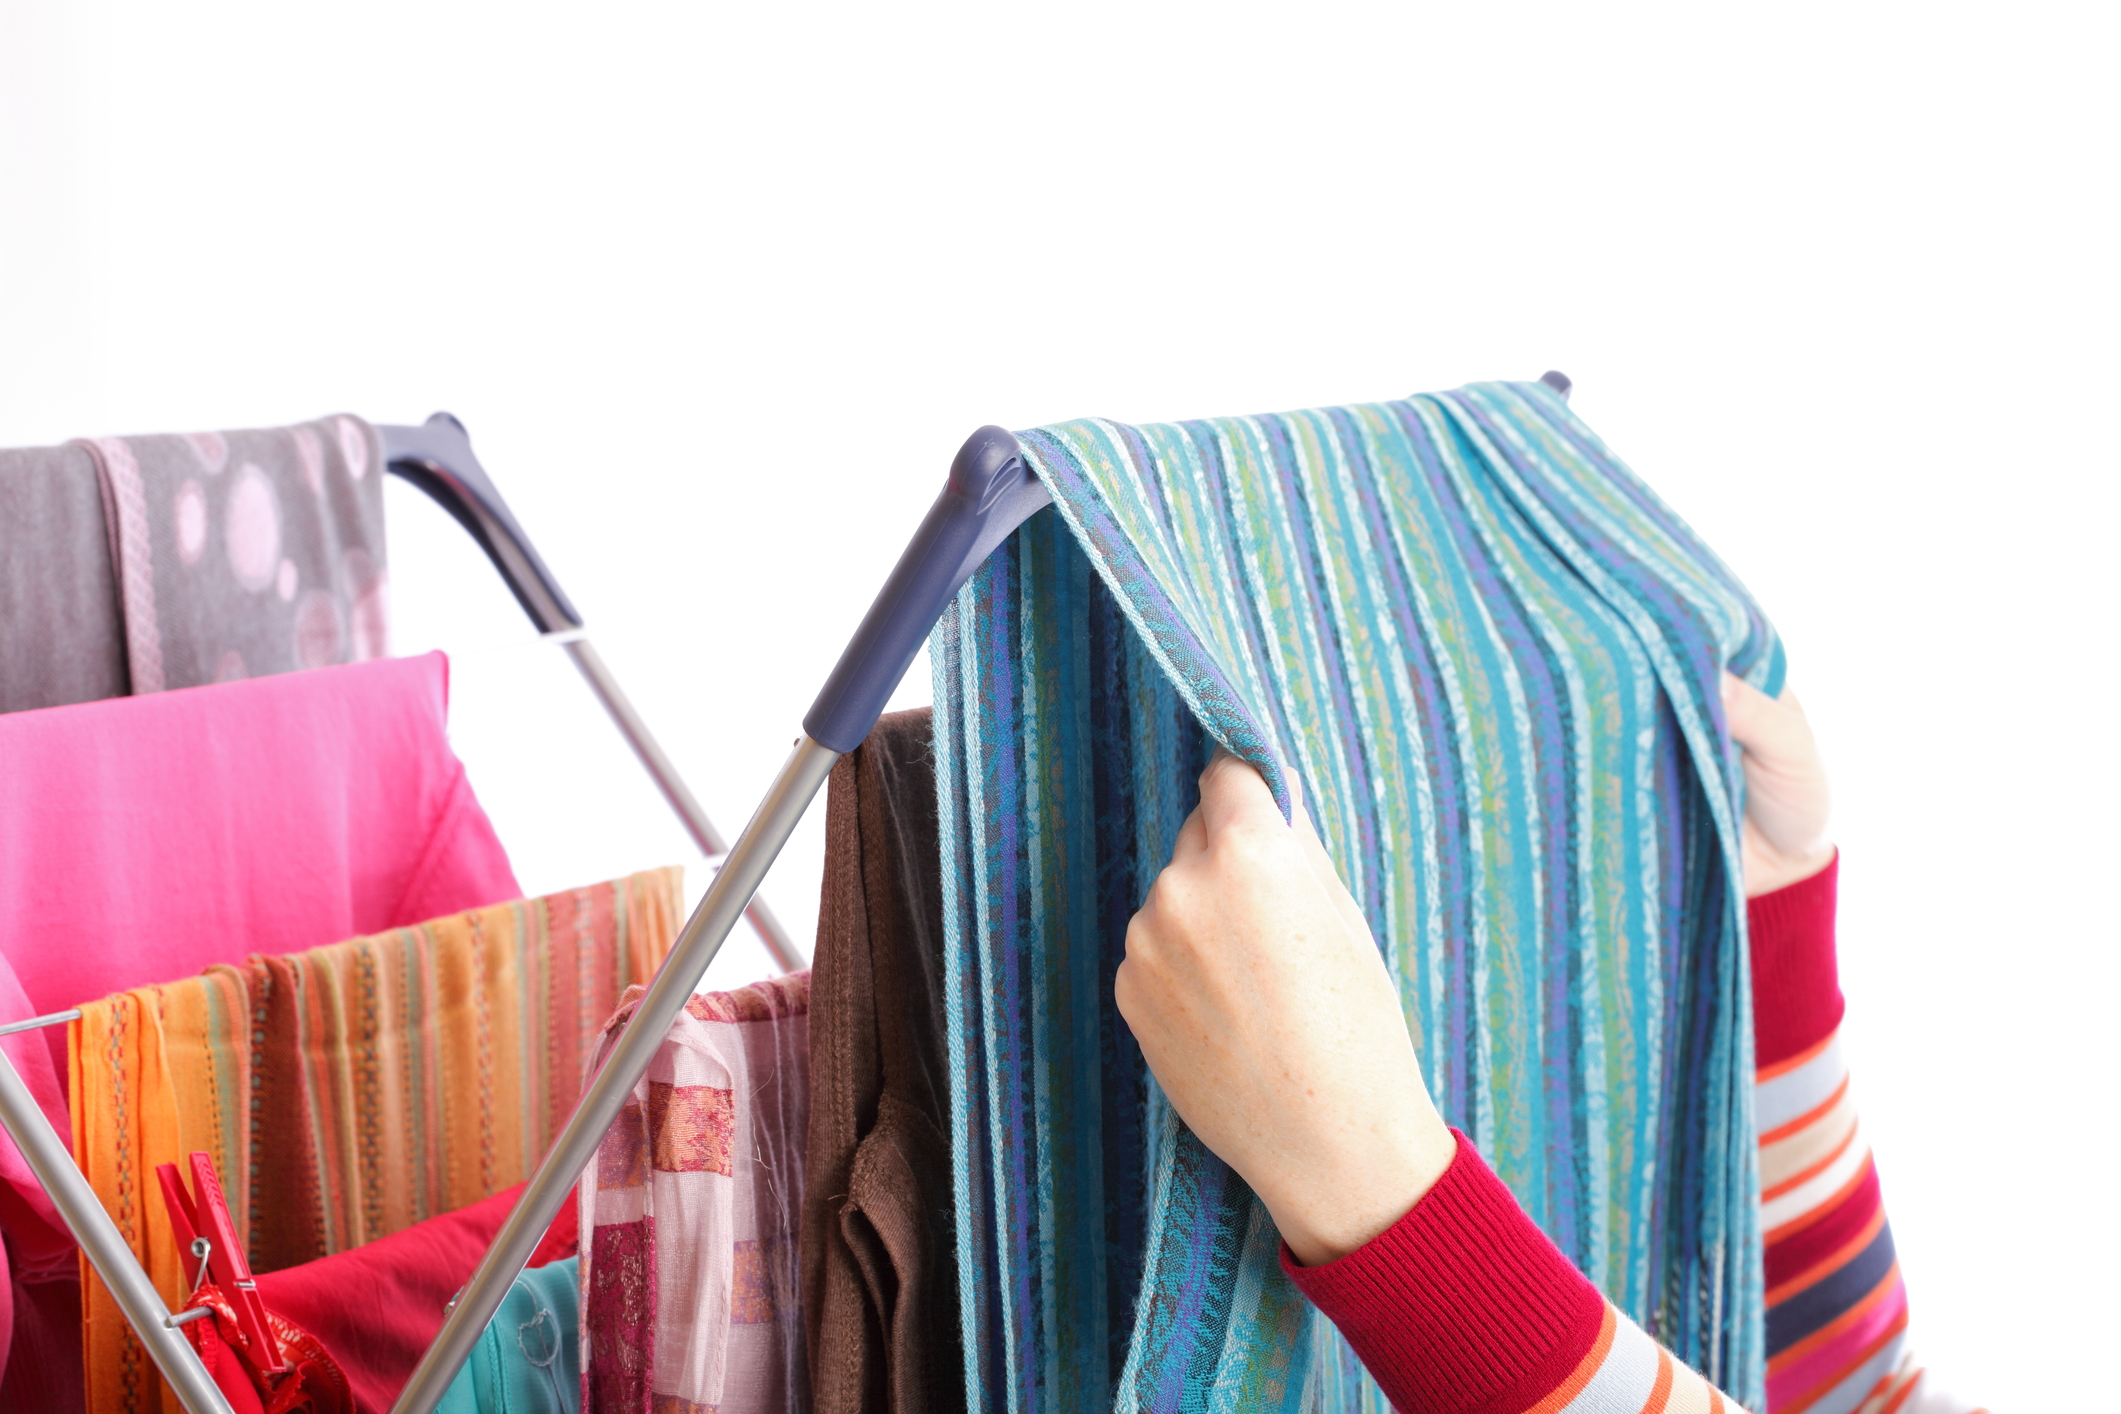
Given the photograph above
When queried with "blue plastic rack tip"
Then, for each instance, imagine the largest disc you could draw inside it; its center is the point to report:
(436, 456)
(991, 491)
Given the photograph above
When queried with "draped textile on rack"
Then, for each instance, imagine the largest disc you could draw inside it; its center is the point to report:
(378, 1307)
(65, 639)
(349, 1091)
(527, 1361)
(360, 1321)
(1491, 657)
(879, 1261)
(146, 563)
(146, 838)
(690, 1214)
(311, 1381)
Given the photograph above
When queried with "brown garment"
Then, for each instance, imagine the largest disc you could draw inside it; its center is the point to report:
(878, 1249)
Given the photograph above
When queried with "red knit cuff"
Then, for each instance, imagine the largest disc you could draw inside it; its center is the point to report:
(1796, 983)
(1463, 1306)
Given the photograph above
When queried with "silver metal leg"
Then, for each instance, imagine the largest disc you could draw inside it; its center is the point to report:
(576, 1146)
(105, 1245)
(436, 457)
(786, 954)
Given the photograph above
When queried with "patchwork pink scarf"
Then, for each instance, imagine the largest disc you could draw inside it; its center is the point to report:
(690, 1295)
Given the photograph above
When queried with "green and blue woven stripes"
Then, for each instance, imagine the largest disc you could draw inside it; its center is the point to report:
(1491, 657)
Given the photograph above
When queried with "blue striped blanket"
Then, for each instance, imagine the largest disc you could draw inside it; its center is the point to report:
(1490, 655)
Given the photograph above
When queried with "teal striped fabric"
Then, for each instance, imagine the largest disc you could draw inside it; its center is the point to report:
(1490, 655)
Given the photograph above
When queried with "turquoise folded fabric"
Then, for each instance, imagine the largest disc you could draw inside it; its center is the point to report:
(528, 1361)
(1490, 655)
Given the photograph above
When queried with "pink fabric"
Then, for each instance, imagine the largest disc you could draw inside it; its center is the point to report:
(145, 838)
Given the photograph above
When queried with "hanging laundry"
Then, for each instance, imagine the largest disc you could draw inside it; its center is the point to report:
(65, 639)
(152, 837)
(1488, 657)
(305, 1380)
(258, 1359)
(350, 1091)
(378, 1307)
(527, 1359)
(137, 564)
(691, 1211)
(879, 1258)
(230, 554)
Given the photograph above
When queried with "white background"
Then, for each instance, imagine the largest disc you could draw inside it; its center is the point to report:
(718, 291)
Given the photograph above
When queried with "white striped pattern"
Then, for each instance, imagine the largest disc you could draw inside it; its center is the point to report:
(1633, 1375)
(1800, 1089)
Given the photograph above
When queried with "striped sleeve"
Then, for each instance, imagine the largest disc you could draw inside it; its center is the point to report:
(1837, 1307)
(1465, 1307)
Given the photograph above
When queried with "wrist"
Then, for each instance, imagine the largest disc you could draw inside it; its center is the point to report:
(1767, 871)
(1332, 1209)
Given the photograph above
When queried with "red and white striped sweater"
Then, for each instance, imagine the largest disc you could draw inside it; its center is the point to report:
(1465, 1307)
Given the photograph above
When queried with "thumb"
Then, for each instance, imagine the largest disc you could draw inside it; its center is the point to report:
(1234, 795)
(1772, 729)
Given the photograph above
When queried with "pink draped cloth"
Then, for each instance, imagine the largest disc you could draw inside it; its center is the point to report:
(146, 838)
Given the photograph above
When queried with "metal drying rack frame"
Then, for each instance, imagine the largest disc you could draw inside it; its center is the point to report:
(990, 492)
(436, 456)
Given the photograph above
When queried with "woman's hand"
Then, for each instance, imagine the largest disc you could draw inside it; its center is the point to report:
(1786, 800)
(1262, 1005)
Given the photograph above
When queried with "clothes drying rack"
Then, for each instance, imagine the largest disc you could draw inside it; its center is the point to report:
(990, 491)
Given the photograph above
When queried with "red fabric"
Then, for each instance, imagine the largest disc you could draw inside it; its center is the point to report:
(230, 1375)
(309, 1380)
(1463, 1306)
(43, 1373)
(1796, 982)
(377, 1308)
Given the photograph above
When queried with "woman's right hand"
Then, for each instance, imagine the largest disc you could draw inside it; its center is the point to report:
(1787, 806)
(1268, 1015)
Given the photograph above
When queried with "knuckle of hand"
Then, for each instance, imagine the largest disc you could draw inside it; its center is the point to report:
(1249, 849)
(1144, 942)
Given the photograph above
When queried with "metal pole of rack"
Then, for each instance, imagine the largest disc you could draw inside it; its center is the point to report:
(990, 492)
(786, 955)
(106, 1247)
(612, 1086)
(436, 456)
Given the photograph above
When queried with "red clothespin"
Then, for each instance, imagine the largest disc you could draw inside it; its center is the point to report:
(222, 1259)
(185, 1219)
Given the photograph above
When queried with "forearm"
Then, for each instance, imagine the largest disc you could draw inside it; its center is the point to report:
(1464, 1305)
(1837, 1308)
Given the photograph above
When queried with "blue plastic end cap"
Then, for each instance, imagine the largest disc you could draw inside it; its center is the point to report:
(988, 494)
(1557, 380)
(988, 464)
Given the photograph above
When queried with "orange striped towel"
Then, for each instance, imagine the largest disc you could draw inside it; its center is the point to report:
(348, 1092)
